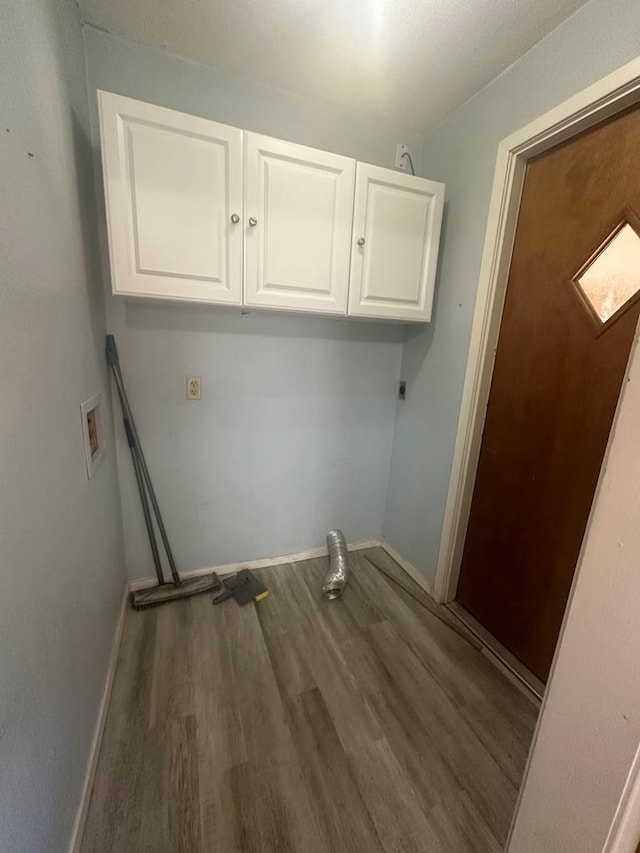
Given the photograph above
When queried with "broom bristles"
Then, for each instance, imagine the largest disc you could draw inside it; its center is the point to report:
(143, 599)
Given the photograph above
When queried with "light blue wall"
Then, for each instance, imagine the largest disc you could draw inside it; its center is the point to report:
(61, 555)
(461, 151)
(150, 74)
(294, 434)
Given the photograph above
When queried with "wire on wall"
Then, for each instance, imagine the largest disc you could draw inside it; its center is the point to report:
(408, 156)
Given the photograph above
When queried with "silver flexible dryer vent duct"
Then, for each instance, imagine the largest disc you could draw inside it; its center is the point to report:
(338, 574)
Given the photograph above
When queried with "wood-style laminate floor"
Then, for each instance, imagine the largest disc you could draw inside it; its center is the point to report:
(357, 726)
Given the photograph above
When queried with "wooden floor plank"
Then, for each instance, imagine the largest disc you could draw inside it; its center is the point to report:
(465, 757)
(216, 692)
(118, 787)
(264, 806)
(219, 737)
(460, 827)
(396, 808)
(275, 806)
(415, 746)
(405, 582)
(433, 642)
(260, 705)
(361, 725)
(333, 788)
(319, 640)
(182, 788)
(172, 686)
(150, 802)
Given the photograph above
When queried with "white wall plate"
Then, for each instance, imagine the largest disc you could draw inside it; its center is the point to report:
(93, 433)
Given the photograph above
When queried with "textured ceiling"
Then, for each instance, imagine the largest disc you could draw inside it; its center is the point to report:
(409, 62)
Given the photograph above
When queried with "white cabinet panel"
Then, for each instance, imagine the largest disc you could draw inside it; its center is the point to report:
(188, 200)
(396, 230)
(173, 182)
(299, 205)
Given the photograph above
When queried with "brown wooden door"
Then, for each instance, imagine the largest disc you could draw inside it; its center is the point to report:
(556, 382)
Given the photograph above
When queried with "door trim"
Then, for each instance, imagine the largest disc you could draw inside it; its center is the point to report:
(624, 834)
(494, 647)
(596, 103)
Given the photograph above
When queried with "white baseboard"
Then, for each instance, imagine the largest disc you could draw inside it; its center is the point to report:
(265, 563)
(410, 569)
(92, 763)
(312, 553)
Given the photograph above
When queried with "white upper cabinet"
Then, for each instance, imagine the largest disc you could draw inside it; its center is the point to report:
(173, 187)
(298, 215)
(200, 211)
(396, 231)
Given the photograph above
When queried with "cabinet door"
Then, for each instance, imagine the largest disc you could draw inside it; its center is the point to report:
(173, 192)
(299, 206)
(396, 230)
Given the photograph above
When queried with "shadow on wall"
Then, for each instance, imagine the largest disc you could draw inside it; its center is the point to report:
(85, 183)
(419, 469)
(184, 317)
(181, 317)
(420, 337)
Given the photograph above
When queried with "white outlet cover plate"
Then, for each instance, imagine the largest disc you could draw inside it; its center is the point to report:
(194, 387)
(401, 162)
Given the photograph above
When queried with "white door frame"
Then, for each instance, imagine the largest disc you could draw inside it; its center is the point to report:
(624, 834)
(598, 102)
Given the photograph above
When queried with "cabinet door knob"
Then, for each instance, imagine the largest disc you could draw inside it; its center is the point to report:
(253, 221)
(235, 218)
(361, 241)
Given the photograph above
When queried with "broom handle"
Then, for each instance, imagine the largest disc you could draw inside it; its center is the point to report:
(148, 520)
(114, 363)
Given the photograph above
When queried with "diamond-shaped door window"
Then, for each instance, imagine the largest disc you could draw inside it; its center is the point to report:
(612, 277)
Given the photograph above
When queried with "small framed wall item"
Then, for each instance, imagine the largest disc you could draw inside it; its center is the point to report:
(93, 433)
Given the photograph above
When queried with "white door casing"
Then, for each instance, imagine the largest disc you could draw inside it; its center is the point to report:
(172, 183)
(394, 252)
(301, 201)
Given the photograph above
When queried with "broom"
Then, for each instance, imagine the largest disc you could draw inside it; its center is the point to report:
(163, 591)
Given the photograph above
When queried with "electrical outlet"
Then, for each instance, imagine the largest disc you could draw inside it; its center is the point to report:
(194, 387)
(402, 162)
